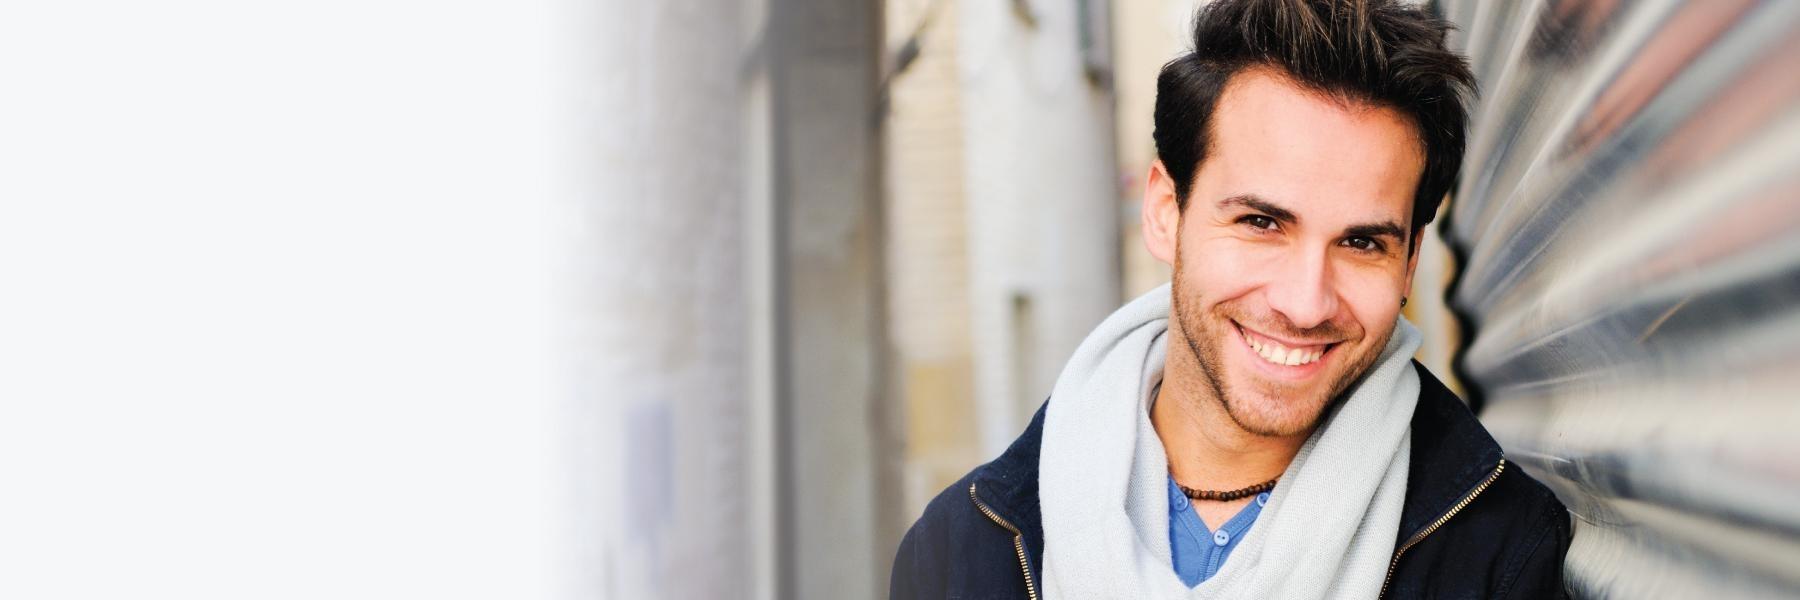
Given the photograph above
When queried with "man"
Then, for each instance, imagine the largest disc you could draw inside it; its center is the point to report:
(1256, 428)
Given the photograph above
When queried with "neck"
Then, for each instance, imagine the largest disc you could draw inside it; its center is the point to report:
(1206, 448)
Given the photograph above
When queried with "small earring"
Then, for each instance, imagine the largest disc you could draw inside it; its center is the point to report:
(1402, 302)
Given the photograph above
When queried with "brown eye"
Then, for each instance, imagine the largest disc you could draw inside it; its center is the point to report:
(1363, 243)
(1258, 221)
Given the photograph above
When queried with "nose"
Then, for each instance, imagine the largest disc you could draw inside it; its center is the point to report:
(1302, 290)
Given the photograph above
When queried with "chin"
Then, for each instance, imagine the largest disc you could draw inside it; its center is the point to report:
(1271, 411)
(1277, 407)
(1277, 399)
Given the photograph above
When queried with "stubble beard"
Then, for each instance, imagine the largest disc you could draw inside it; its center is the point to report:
(1204, 340)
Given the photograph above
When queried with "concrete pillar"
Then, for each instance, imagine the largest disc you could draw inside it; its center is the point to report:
(831, 416)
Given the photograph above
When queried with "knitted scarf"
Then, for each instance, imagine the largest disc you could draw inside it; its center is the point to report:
(1328, 528)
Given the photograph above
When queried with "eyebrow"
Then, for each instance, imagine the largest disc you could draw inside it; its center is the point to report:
(1387, 228)
(1258, 204)
(1252, 202)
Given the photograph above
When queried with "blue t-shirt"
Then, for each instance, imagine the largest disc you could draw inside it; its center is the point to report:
(1197, 552)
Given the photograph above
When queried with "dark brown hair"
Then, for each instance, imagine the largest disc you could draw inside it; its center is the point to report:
(1376, 52)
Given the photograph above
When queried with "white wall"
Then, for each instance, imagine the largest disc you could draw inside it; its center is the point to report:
(1042, 204)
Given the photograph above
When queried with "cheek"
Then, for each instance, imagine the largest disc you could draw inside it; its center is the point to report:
(1226, 268)
(1373, 298)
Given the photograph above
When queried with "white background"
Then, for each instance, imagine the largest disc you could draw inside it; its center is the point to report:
(273, 299)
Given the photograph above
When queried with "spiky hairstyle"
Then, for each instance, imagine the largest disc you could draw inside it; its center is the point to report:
(1375, 52)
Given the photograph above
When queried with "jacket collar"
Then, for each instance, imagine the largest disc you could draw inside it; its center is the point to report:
(1451, 455)
(1009, 485)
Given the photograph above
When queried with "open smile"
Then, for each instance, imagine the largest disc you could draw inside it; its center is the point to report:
(1286, 356)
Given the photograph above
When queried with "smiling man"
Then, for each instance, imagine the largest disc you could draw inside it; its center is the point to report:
(1257, 428)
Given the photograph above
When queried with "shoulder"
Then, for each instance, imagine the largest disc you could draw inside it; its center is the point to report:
(1465, 454)
(1505, 534)
(1509, 542)
(950, 513)
(923, 561)
(955, 549)
(1519, 515)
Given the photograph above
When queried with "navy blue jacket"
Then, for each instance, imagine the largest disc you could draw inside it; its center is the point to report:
(1473, 526)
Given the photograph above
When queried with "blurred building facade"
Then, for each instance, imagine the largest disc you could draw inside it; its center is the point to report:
(1001, 211)
(729, 434)
(1149, 33)
(928, 239)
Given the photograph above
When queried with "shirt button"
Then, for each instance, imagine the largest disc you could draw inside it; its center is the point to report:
(1262, 499)
(1181, 503)
(1221, 538)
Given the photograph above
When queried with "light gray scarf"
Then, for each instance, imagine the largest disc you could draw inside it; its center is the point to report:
(1328, 528)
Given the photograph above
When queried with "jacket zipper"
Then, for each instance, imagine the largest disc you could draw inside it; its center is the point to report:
(1460, 504)
(1018, 540)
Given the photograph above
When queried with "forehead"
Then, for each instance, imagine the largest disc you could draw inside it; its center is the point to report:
(1308, 151)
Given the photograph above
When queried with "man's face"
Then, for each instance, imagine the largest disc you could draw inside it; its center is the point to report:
(1292, 255)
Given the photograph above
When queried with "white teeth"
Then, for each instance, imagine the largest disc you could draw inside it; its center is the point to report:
(1282, 355)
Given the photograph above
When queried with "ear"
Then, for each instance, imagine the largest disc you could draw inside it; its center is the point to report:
(1161, 214)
